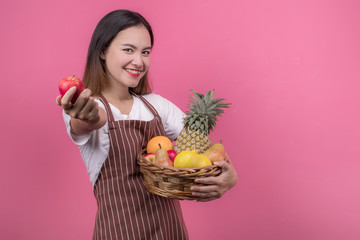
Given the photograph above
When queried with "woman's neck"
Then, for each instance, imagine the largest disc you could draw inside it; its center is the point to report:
(117, 94)
(120, 98)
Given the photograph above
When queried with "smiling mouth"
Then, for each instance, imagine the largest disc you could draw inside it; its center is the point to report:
(133, 72)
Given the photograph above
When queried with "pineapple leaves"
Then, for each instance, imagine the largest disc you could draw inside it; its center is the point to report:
(203, 111)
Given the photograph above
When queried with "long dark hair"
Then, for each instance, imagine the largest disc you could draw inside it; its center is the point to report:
(106, 30)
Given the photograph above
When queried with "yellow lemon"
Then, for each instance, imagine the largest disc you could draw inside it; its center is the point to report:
(202, 161)
(185, 159)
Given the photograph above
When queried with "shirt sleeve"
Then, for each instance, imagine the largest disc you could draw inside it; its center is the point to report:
(171, 116)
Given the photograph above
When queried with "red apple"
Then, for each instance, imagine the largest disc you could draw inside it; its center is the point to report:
(69, 82)
(150, 157)
(172, 154)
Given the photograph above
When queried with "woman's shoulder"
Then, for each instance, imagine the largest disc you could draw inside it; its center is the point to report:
(160, 102)
(154, 98)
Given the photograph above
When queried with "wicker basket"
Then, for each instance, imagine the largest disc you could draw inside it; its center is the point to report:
(172, 182)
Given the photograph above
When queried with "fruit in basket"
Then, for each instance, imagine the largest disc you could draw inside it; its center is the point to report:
(202, 160)
(150, 157)
(199, 122)
(162, 157)
(165, 163)
(186, 159)
(172, 154)
(216, 153)
(69, 82)
(154, 142)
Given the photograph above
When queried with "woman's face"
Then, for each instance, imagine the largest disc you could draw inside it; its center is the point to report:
(127, 58)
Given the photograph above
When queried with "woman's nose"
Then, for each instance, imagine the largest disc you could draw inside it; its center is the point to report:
(137, 60)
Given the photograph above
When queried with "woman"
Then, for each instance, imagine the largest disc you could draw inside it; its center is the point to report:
(113, 119)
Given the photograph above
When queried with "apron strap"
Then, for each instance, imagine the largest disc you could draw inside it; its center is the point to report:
(148, 105)
(110, 116)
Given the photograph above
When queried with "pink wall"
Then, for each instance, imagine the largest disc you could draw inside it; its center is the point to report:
(290, 68)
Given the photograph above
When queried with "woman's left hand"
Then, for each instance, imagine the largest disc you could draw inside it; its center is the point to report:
(211, 188)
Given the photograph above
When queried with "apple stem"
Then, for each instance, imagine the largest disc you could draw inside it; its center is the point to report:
(159, 145)
(72, 78)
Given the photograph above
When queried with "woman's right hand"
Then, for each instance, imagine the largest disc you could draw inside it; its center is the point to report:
(86, 115)
(85, 108)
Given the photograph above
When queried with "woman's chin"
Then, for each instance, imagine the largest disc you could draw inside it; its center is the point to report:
(133, 85)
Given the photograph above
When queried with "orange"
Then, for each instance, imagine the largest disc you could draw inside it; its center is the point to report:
(153, 144)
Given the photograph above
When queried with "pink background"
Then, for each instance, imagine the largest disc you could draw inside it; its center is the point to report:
(290, 68)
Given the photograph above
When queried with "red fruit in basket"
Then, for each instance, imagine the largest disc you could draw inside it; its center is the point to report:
(69, 82)
(150, 157)
(172, 154)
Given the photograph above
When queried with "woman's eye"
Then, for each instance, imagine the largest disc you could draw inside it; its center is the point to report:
(129, 50)
(146, 53)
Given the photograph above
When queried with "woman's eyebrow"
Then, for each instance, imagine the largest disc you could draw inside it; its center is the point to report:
(133, 46)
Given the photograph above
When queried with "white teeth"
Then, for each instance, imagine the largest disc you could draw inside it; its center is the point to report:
(133, 71)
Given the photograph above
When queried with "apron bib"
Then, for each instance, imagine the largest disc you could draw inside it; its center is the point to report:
(126, 210)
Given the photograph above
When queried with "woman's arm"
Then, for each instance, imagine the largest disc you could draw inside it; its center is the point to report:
(86, 115)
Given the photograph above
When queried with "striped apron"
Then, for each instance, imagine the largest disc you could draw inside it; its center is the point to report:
(126, 210)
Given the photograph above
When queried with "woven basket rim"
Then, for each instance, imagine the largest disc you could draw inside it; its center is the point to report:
(172, 182)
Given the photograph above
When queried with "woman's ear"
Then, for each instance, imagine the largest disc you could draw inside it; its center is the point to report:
(102, 55)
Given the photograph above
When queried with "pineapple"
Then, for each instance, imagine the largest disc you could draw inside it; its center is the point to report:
(199, 122)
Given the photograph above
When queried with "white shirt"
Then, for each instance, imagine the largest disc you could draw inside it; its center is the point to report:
(94, 147)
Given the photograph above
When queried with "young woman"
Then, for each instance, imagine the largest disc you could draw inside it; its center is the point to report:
(113, 119)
